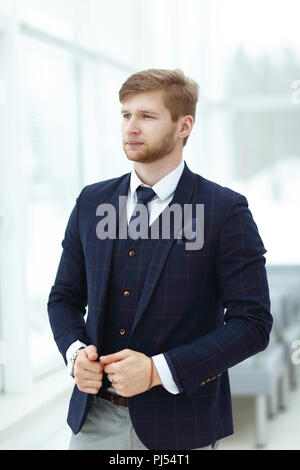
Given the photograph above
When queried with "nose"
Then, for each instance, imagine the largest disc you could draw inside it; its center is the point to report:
(132, 126)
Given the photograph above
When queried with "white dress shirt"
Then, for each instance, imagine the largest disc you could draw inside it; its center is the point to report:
(164, 190)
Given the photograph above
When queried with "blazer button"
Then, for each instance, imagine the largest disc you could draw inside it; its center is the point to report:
(122, 332)
(131, 253)
(126, 293)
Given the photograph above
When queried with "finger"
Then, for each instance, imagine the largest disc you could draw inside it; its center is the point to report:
(91, 391)
(112, 378)
(118, 356)
(83, 363)
(91, 352)
(84, 374)
(83, 383)
(111, 368)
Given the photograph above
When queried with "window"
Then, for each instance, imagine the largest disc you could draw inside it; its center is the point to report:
(50, 159)
(251, 125)
(69, 135)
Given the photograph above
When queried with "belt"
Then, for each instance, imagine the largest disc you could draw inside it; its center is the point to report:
(116, 399)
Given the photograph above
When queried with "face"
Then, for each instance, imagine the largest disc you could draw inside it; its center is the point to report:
(147, 129)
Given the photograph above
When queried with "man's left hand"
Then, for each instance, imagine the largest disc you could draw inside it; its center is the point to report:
(129, 372)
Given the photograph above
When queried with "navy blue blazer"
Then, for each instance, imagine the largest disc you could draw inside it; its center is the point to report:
(206, 309)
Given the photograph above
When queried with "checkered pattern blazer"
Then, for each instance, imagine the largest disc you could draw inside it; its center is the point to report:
(206, 309)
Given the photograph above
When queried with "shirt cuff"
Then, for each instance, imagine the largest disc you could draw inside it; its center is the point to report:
(165, 374)
(71, 350)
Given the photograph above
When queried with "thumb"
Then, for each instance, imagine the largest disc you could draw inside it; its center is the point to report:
(91, 352)
(118, 356)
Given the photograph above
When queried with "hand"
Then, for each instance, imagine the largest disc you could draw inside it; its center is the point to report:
(130, 372)
(87, 372)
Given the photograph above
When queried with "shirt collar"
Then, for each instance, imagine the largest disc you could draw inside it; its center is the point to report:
(164, 187)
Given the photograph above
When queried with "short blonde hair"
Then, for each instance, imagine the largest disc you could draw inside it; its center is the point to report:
(181, 93)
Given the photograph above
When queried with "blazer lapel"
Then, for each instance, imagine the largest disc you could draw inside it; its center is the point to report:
(181, 196)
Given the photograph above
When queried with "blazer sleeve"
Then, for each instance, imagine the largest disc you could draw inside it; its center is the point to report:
(242, 284)
(68, 296)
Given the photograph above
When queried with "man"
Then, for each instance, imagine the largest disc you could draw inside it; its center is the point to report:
(150, 362)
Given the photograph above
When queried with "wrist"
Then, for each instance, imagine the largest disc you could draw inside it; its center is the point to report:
(156, 378)
(73, 360)
(77, 352)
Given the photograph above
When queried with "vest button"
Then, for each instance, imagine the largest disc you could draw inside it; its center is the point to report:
(126, 293)
(131, 253)
(122, 332)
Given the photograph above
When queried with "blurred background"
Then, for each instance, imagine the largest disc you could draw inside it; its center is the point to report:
(62, 63)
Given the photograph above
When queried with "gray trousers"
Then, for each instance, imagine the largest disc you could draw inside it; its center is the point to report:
(108, 427)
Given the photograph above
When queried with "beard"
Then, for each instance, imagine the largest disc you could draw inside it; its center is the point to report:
(151, 154)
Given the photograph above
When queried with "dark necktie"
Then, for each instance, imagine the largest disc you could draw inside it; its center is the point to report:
(144, 195)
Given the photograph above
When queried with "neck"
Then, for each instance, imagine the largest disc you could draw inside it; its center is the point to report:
(151, 173)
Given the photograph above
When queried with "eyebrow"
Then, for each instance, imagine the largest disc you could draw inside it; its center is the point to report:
(140, 111)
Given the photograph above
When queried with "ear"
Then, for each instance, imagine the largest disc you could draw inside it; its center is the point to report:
(186, 126)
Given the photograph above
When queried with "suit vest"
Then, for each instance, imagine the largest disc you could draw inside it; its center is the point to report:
(130, 262)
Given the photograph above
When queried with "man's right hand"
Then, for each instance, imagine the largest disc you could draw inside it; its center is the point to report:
(87, 372)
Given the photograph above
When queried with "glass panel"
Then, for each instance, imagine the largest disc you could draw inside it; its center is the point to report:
(53, 16)
(2, 344)
(103, 153)
(5, 6)
(255, 61)
(264, 138)
(49, 152)
(267, 33)
(111, 28)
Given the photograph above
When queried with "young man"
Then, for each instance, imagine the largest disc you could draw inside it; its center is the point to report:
(150, 362)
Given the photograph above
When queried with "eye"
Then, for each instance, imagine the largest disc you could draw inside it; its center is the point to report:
(144, 115)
